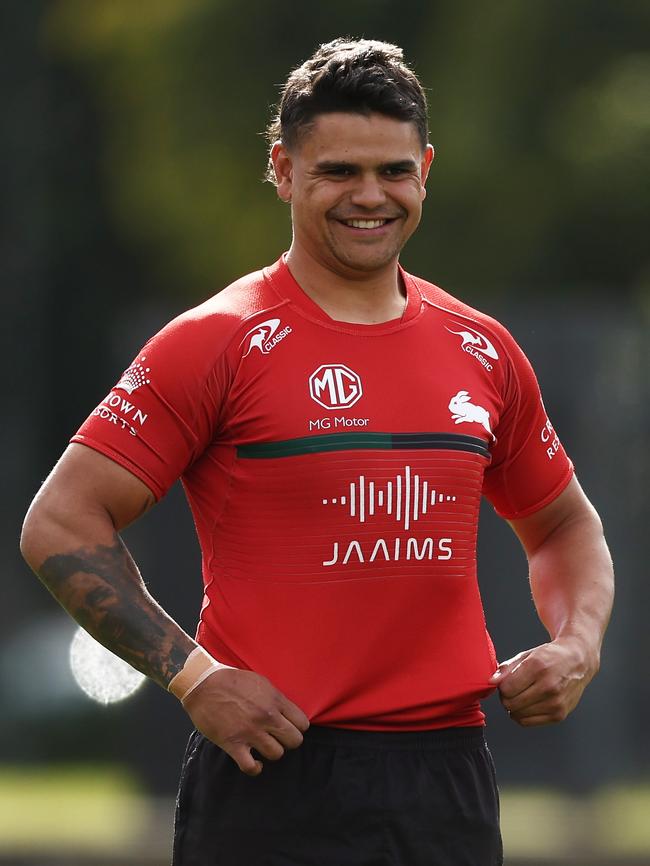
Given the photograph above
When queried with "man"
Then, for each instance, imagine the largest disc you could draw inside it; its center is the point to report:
(335, 421)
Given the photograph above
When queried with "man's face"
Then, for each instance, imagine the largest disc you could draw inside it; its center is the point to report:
(356, 186)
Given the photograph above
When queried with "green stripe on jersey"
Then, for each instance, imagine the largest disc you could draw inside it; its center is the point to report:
(363, 441)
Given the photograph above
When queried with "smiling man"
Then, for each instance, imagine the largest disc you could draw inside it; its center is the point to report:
(335, 422)
(356, 183)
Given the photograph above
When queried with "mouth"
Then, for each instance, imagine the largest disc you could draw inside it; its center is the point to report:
(367, 224)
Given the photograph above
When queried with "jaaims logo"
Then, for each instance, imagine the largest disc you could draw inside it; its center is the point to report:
(265, 336)
(406, 499)
(335, 386)
(476, 344)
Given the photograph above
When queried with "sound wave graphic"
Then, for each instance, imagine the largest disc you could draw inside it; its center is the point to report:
(406, 498)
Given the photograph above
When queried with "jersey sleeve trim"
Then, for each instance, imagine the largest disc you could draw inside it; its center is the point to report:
(102, 448)
(531, 509)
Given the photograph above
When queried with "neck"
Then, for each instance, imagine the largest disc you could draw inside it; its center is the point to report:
(358, 297)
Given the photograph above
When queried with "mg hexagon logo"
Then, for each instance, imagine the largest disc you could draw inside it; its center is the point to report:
(335, 386)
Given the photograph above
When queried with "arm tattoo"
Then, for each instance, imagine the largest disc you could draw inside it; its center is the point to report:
(102, 589)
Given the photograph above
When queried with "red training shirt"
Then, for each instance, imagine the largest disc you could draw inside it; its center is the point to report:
(335, 472)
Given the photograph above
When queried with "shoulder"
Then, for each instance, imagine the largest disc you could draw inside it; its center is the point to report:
(206, 331)
(469, 319)
(224, 313)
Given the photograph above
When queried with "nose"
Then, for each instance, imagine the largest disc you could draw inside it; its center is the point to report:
(368, 192)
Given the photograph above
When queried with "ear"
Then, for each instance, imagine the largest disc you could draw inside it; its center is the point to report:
(283, 168)
(425, 165)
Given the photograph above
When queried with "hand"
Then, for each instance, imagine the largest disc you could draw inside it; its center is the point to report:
(240, 710)
(543, 685)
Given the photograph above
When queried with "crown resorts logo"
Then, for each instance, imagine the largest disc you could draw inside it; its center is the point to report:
(135, 376)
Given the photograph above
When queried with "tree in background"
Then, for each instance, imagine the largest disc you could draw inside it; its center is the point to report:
(540, 112)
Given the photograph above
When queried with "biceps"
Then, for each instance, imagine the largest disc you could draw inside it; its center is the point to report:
(86, 484)
(571, 505)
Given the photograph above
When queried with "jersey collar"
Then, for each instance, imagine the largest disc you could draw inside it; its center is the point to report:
(285, 285)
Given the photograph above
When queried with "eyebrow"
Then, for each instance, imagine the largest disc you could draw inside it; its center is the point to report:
(331, 165)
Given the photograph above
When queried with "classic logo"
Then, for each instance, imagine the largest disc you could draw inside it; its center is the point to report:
(476, 344)
(463, 410)
(135, 376)
(265, 336)
(335, 386)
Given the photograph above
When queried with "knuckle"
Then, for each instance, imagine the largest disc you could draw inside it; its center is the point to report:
(554, 689)
(273, 752)
(235, 745)
(535, 662)
(293, 742)
(263, 714)
(556, 708)
(231, 743)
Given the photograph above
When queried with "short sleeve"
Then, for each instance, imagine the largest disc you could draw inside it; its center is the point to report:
(529, 465)
(162, 413)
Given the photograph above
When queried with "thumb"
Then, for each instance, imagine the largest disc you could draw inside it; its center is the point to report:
(508, 666)
(499, 673)
(251, 768)
(246, 762)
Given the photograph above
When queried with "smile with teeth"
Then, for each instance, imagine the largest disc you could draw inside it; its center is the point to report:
(365, 224)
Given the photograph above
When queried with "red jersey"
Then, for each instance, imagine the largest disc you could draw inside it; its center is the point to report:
(335, 472)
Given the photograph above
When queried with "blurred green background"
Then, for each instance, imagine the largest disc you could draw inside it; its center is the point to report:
(132, 160)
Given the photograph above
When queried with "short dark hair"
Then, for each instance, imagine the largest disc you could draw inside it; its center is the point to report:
(351, 75)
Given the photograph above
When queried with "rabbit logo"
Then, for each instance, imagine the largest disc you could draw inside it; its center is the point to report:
(463, 410)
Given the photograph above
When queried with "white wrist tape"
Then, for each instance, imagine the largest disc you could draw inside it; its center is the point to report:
(198, 666)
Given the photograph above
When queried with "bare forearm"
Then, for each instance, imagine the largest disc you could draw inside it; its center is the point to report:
(572, 581)
(100, 586)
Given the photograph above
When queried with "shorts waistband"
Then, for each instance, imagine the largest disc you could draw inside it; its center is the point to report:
(431, 740)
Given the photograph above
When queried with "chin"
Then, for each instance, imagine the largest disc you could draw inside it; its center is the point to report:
(365, 260)
(367, 264)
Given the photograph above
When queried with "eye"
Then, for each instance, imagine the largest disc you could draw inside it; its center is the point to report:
(335, 170)
(340, 171)
(396, 170)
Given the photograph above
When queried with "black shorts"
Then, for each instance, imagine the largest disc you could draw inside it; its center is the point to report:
(344, 798)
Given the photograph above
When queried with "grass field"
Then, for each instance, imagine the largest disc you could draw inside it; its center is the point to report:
(93, 808)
